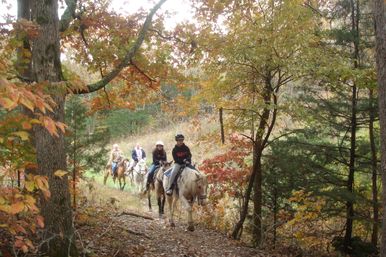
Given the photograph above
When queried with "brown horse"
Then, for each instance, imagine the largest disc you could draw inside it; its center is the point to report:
(157, 186)
(120, 173)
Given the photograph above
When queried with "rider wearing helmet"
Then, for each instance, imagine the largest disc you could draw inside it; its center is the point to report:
(159, 155)
(182, 156)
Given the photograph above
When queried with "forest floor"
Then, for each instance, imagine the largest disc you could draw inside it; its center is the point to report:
(117, 223)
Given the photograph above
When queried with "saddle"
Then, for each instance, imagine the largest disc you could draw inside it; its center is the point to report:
(169, 172)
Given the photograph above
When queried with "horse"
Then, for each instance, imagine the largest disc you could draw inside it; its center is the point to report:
(120, 173)
(157, 186)
(192, 185)
(140, 171)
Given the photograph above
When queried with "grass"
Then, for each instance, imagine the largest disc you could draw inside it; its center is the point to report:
(98, 194)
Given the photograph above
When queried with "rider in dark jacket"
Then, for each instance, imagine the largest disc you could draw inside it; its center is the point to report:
(159, 155)
(182, 156)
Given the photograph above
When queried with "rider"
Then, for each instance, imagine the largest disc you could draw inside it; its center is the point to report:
(182, 156)
(159, 155)
(116, 156)
(137, 154)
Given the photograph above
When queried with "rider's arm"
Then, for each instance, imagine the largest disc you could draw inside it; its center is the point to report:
(155, 158)
(189, 155)
(134, 155)
(174, 154)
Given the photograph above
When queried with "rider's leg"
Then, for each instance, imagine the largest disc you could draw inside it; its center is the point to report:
(114, 167)
(172, 178)
(150, 176)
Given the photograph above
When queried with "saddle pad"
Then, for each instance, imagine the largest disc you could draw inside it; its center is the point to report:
(168, 172)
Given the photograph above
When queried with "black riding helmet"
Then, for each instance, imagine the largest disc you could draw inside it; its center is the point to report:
(180, 137)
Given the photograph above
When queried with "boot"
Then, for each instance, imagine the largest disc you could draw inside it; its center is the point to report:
(169, 191)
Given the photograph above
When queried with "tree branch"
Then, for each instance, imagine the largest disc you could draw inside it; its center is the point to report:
(128, 57)
(68, 15)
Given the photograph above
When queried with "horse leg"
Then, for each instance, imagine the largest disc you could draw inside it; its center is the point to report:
(170, 205)
(159, 206)
(107, 173)
(119, 183)
(148, 199)
(124, 181)
(188, 208)
(163, 205)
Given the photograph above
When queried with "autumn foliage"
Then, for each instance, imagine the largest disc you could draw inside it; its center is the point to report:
(227, 176)
(22, 107)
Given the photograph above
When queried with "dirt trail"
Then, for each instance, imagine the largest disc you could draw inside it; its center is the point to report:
(108, 231)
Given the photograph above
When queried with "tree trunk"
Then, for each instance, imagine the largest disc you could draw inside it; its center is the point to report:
(259, 145)
(257, 196)
(380, 32)
(374, 169)
(353, 125)
(50, 151)
(244, 211)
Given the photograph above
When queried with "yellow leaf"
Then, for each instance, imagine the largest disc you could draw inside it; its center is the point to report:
(60, 173)
(7, 103)
(5, 208)
(29, 185)
(27, 103)
(22, 134)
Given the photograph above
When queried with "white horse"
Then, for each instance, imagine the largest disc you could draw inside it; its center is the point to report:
(140, 171)
(192, 185)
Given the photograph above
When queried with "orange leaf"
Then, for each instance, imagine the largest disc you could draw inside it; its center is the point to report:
(61, 125)
(17, 207)
(26, 125)
(49, 124)
(40, 221)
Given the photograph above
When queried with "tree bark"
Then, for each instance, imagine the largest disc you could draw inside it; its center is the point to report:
(58, 235)
(257, 195)
(380, 55)
(374, 169)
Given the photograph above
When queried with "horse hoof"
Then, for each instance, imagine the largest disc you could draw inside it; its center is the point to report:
(190, 228)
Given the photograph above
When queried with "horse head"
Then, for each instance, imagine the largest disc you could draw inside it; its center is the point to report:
(141, 167)
(164, 166)
(201, 188)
